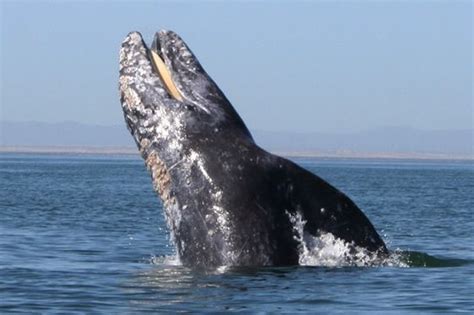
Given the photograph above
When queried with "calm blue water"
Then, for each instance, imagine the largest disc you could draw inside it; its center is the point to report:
(86, 234)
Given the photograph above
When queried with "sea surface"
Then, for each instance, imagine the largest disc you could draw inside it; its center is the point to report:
(86, 234)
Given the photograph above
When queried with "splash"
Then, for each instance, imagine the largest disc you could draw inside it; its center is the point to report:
(326, 250)
(165, 260)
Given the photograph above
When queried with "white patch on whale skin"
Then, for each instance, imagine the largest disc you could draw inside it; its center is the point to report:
(222, 217)
(218, 214)
(195, 157)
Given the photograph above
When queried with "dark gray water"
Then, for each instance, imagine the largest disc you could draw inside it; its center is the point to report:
(86, 234)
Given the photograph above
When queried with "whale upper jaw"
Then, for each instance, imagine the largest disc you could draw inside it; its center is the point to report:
(167, 66)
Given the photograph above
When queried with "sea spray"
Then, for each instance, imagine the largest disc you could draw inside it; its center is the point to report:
(326, 250)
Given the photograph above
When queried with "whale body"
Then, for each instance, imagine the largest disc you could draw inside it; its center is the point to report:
(227, 202)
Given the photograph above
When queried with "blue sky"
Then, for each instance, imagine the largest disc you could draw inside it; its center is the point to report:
(304, 66)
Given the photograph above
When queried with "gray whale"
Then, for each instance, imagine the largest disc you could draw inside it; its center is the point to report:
(227, 201)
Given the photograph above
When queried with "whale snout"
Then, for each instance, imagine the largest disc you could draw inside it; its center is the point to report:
(166, 94)
(149, 108)
(139, 84)
(167, 70)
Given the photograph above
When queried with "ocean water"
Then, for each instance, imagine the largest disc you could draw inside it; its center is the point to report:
(86, 234)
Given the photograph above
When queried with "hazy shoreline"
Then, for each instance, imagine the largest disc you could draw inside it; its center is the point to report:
(122, 150)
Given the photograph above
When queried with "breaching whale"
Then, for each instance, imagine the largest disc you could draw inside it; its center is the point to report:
(227, 202)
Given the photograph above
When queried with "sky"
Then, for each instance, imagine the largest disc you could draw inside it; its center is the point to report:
(314, 66)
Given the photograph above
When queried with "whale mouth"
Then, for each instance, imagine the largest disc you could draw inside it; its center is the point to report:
(164, 84)
(151, 76)
(160, 67)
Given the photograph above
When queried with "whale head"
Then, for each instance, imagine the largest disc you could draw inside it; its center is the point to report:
(168, 98)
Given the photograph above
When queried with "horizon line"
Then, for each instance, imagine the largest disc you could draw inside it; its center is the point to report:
(252, 129)
(336, 154)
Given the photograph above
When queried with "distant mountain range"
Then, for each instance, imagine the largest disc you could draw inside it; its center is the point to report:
(390, 140)
(66, 133)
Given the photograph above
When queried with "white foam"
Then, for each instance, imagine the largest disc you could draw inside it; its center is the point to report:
(171, 260)
(329, 251)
